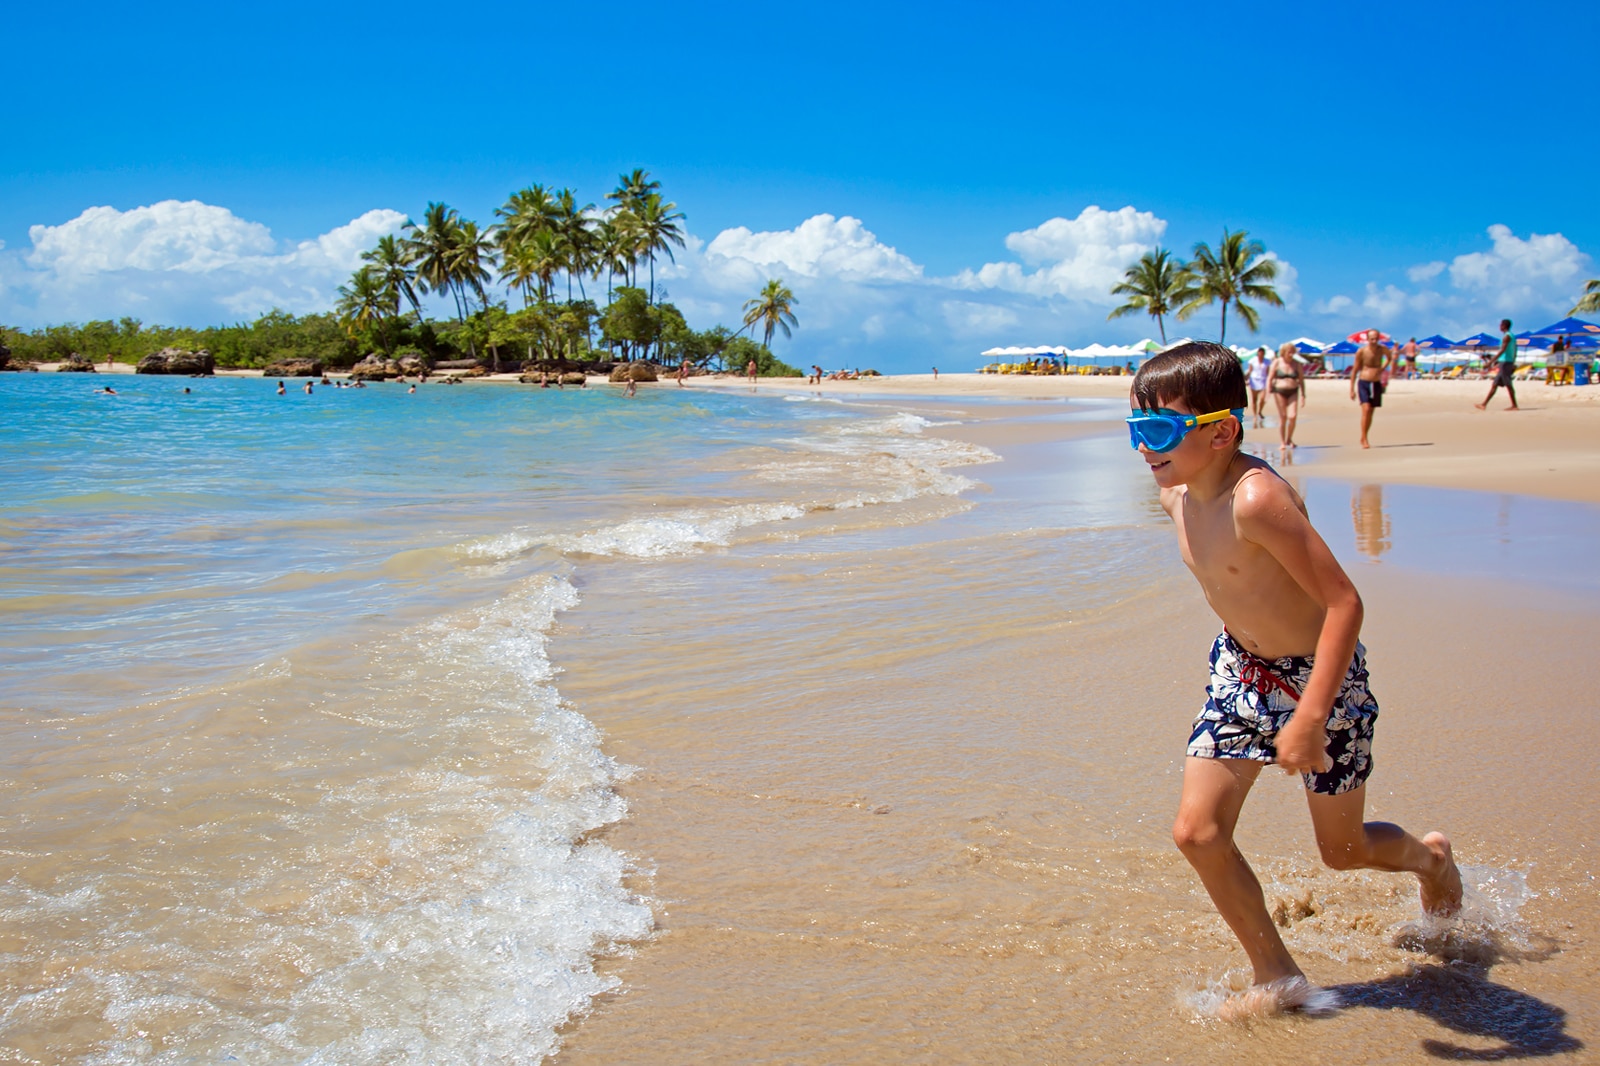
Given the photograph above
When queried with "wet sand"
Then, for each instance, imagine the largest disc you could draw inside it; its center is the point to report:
(932, 825)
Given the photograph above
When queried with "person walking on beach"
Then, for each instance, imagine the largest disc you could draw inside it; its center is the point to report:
(1289, 681)
(1410, 351)
(1366, 380)
(1505, 364)
(1260, 368)
(683, 372)
(750, 371)
(1288, 390)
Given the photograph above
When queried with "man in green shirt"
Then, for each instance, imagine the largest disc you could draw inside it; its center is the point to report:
(1505, 362)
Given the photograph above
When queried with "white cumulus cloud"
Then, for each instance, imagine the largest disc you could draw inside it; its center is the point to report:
(820, 247)
(1537, 277)
(181, 261)
(1542, 262)
(1080, 258)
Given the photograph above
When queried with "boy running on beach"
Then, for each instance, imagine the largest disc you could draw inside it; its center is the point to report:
(1288, 673)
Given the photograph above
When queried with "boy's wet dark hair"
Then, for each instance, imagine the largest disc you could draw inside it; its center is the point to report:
(1205, 376)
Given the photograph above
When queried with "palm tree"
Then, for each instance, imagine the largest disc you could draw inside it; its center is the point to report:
(470, 259)
(657, 230)
(613, 250)
(365, 302)
(576, 235)
(1152, 286)
(430, 247)
(631, 188)
(390, 259)
(1590, 300)
(1237, 269)
(773, 309)
(524, 213)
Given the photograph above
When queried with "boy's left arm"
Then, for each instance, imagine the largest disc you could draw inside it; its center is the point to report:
(1268, 515)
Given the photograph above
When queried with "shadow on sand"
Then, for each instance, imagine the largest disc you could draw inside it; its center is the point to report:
(1458, 994)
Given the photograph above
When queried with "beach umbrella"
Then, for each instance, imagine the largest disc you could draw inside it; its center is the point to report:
(1566, 326)
(993, 352)
(1306, 349)
(1436, 341)
(1342, 348)
(1360, 335)
(1480, 340)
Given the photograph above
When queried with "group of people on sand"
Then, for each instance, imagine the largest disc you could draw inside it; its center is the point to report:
(1374, 365)
(817, 375)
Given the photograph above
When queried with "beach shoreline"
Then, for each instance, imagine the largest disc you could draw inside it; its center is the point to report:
(1010, 891)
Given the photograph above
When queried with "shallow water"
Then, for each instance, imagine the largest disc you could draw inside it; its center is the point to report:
(369, 727)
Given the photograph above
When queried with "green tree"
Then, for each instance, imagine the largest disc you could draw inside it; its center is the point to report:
(773, 310)
(1590, 300)
(1152, 286)
(575, 238)
(1239, 268)
(392, 266)
(628, 321)
(655, 229)
(364, 306)
(430, 249)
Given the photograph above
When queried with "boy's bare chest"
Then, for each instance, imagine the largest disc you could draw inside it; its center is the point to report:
(1211, 546)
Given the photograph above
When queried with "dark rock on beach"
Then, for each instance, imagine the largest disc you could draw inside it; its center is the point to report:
(375, 368)
(633, 372)
(177, 361)
(455, 364)
(293, 368)
(76, 364)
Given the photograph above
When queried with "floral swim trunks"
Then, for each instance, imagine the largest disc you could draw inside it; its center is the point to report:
(1251, 698)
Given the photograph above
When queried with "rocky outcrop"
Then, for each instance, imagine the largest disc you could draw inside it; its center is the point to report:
(414, 365)
(177, 361)
(455, 364)
(633, 372)
(375, 368)
(293, 368)
(77, 364)
(573, 378)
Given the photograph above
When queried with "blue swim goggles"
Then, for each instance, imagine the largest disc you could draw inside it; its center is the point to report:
(1163, 430)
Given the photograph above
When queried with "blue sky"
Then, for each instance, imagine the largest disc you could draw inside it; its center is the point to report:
(898, 165)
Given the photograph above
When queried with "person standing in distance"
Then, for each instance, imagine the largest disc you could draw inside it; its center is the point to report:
(1505, 362)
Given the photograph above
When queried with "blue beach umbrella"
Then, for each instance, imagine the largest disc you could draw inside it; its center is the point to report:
(1436, 341)
(1481, 340)
(1307, 349)
(1566, 326)
(1342, 348)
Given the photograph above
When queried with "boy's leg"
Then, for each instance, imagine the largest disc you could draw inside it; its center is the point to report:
(1213, 793)
(1346, 843)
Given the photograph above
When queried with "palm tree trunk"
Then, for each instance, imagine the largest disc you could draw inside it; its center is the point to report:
(1224, 338)
(1162, 326)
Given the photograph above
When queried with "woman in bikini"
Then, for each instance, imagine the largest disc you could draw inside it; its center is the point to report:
(1288, 386)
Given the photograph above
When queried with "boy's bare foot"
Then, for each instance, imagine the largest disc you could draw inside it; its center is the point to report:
(1277, 997)
(1364, 444)
(1481, 406)
(1441, 894)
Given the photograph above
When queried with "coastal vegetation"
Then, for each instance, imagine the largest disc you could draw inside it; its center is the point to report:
(545, 244)
(1590, 300)
(1152, 285)
(1236, 270)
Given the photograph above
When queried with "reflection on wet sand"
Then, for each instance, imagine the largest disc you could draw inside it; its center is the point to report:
(1371, 520)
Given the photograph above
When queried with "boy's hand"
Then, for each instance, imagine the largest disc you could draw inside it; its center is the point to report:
(1303, 746)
